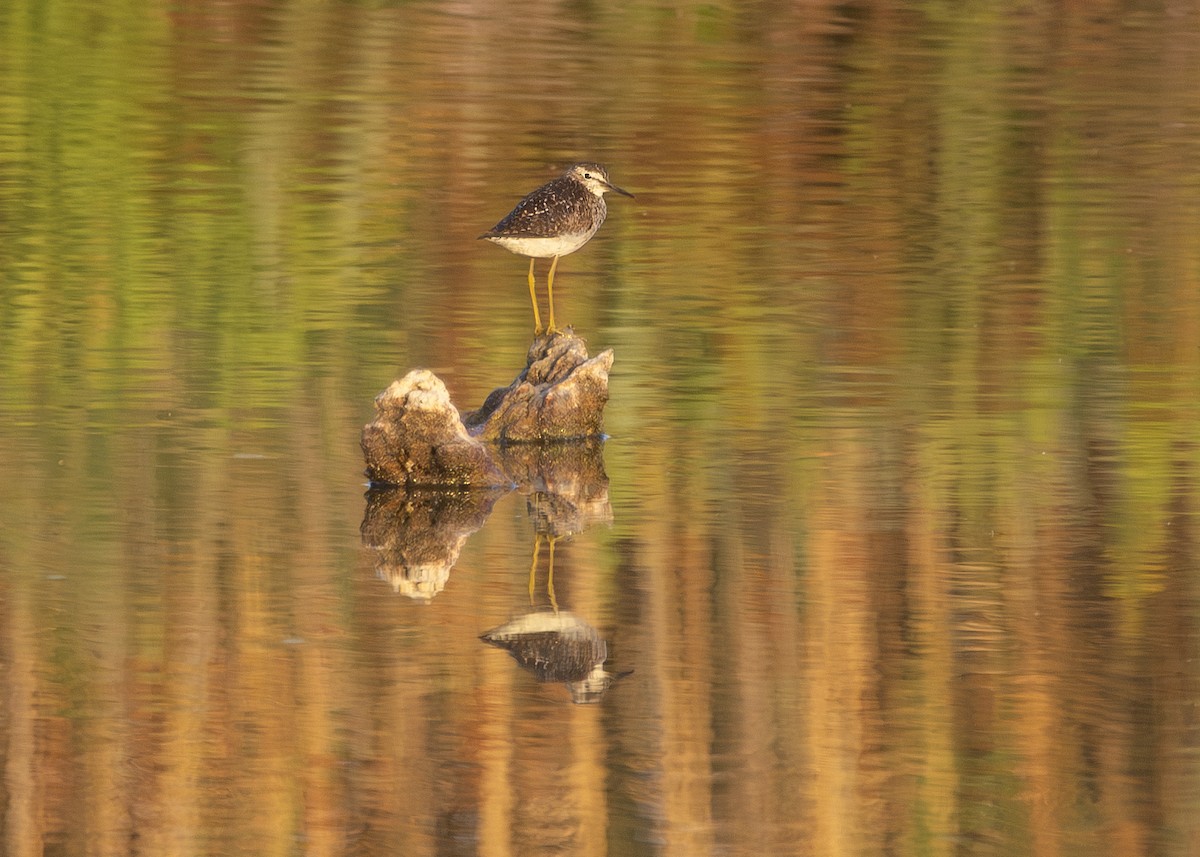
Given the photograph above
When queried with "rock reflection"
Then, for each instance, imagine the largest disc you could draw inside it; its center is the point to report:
(418, 533)
(565, 483)
(557, 646)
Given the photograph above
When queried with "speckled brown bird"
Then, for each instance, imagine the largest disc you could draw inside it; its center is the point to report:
(556, 219)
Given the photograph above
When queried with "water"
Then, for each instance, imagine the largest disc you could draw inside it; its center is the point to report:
(893, 549)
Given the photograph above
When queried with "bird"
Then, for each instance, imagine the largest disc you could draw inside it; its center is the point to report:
(556, 219)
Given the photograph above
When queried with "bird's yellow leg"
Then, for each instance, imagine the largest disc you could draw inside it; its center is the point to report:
(550, 294)
(537, 319)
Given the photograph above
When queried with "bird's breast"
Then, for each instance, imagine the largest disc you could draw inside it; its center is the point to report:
(543, 247)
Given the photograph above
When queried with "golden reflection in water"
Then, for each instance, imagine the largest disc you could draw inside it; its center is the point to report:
(903, 470)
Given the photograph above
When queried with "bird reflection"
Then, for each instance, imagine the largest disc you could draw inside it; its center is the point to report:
(557, 646)
(556, 517)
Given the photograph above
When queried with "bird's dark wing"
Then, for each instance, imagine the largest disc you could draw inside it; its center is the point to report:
(536, 214)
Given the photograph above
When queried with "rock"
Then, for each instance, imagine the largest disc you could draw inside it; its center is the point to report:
(560, 395)
(418, 438)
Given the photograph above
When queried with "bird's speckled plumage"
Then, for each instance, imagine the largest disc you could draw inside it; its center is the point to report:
(559, 217)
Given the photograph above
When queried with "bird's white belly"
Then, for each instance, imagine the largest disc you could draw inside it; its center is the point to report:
(543, 248)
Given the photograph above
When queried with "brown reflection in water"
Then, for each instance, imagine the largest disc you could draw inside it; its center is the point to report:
(935, 662)
(418, 534)
(906, 556)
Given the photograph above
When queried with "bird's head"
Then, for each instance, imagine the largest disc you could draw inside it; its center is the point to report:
(595, 178)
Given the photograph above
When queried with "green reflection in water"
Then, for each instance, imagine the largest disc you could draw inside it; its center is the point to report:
(904, 418)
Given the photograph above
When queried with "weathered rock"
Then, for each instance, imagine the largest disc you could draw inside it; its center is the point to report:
(418, 438)
(560, 395)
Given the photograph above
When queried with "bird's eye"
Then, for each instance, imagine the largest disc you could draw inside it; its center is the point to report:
(587, 175)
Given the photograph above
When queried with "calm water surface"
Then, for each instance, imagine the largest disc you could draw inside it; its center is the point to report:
(893, 548)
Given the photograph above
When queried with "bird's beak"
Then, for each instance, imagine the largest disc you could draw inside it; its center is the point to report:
(616, 189)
